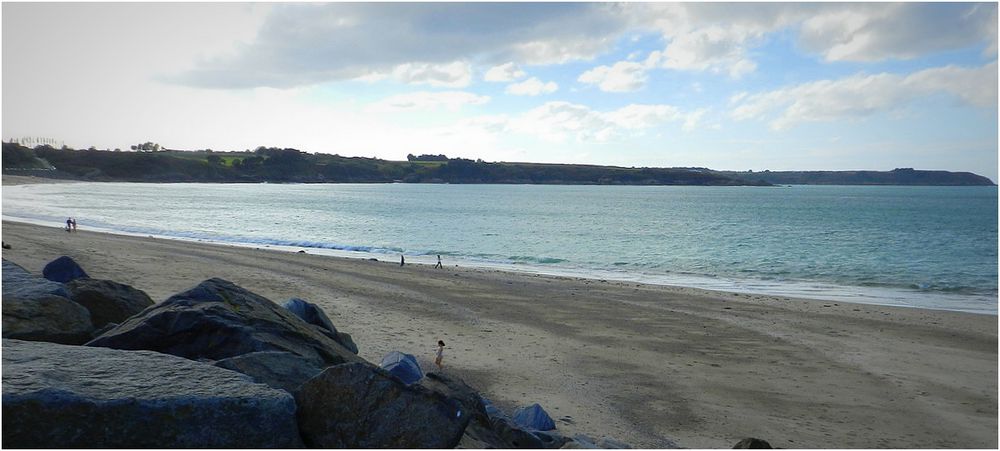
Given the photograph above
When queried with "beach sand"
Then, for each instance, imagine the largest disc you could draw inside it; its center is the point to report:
(649, 365)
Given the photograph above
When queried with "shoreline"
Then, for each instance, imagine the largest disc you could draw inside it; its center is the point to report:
(646, 364)
(816, 291)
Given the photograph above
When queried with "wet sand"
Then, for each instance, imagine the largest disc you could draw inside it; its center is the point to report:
(649, 365)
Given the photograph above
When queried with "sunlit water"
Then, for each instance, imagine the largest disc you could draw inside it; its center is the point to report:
(933, 247)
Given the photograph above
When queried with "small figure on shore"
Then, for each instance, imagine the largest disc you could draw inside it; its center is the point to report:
(440, 355)
(438, 265)
(73, 222)
(69, 224)
(402, 261)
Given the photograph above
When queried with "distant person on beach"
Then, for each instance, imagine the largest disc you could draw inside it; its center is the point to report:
(438, 265)
(69, 224)
(73, 221)
(440, 355)
(402, 261)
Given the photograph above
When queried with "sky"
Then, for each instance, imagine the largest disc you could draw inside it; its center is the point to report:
(729, 86)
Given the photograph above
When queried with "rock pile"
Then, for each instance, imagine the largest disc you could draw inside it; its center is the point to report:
(219, 366)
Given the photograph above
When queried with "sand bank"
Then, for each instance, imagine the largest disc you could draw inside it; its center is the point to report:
(641, 363)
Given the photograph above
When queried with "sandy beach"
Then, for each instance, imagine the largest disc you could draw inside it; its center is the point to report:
(649, 365)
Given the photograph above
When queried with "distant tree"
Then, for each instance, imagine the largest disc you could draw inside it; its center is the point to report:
(147, 146)
(214, 160)
(428, 158)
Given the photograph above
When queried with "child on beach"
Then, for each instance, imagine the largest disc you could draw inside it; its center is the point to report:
(440, 355)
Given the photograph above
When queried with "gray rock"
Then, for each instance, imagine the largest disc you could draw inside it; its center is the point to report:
(312, 314)
(551, 439)
(62, 270)
(57, 396)
(359, 405)
(347, 341)
(217, 320)
(98, 332)
(46, 318)
(752, 443)
(38, 309)
(495, 431)
(500, 430)
(19, 283)
(479, 429)
(581, 441)
(512, 434)
(107, 301)
(281, 370)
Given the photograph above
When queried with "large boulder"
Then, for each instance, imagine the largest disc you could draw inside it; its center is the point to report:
(281, 370)
(534, 418)
(107, 301)
(359, 405)
(38, 309)
(217, 320)
(19, 283)
(312, 314)
(62, 270)
(402, 365)
(57, 396)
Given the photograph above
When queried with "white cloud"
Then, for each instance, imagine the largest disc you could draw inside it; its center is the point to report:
(300, 44)
(873, 32)
(863, 95)
(504, 72)
(623, 76)
(691, 120)
(719, 37)
(713, 48)
(308, 43)
(563, 121)
(424, 100)
(452, 75)
(531, 87)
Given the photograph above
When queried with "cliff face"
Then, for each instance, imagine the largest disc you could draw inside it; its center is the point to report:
(899, 176)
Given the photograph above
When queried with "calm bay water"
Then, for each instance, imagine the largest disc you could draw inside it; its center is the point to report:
(932, 247)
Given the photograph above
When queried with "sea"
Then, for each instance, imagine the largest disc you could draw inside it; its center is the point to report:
(915, 246)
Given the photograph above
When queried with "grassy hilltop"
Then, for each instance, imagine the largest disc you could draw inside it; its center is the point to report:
(270, 164)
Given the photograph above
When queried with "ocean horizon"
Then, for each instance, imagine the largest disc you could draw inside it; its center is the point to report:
(925, 247)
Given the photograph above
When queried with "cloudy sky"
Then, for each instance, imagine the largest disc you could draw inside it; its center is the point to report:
(729, 86)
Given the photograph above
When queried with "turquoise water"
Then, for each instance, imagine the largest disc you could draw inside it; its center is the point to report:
(930, 247)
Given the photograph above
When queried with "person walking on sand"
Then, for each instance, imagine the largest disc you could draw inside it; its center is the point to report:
(73, 221)
(402, 261)
(69, 224)
(440, 355)
(438, 265)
